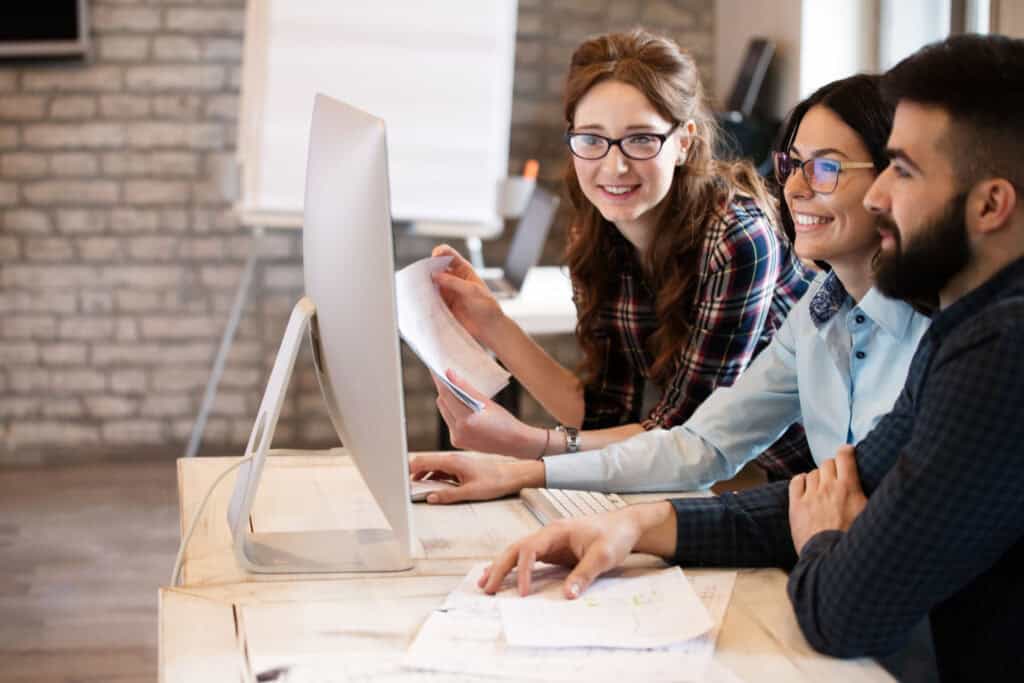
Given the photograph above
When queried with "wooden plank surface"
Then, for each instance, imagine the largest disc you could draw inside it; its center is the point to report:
(83, 550)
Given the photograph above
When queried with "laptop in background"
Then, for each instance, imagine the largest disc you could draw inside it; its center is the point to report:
(526, 247)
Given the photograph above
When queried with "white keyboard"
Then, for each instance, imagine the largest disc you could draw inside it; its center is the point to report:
(548, 505)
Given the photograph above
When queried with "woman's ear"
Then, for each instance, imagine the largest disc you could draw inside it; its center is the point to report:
(687, 133)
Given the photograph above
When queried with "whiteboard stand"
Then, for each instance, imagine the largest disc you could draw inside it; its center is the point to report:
(397, 60)
(241, 298)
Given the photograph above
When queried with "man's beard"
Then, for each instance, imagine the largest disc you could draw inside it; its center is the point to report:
(930, 260)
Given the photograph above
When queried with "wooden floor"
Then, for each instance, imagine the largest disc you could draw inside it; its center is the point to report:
(82, 552)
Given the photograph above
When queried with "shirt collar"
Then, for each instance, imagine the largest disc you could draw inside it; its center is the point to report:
(1007, 281)
(827, 301)
(892, 315)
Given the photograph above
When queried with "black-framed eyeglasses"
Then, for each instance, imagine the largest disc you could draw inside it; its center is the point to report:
(821, 173)
(636, 146)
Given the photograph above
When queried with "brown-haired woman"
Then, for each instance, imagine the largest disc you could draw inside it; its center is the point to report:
(679, 273)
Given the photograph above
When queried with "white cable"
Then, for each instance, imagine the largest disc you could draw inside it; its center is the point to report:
(175, 575)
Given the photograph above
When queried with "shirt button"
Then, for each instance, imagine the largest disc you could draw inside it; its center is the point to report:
(860, 319)
(861, 355)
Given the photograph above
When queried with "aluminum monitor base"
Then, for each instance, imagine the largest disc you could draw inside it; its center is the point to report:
(341, 550)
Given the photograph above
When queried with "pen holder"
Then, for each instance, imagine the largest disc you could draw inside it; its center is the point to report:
(513, 194)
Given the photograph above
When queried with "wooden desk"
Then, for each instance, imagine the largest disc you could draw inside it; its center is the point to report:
(215, 626)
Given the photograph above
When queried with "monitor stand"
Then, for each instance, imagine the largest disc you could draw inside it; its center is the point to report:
(340, 550)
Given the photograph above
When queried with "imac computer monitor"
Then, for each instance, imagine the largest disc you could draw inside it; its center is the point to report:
(350, 312)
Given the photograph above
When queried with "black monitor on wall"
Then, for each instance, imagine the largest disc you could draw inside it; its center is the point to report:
(745, 92)
(44, 28)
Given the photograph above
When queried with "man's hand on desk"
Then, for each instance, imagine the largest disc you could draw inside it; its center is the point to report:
(479, 478)
(827, 498)
(590, 545)
(492, 430)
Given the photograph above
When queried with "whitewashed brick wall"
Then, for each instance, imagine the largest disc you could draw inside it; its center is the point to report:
(120, 256)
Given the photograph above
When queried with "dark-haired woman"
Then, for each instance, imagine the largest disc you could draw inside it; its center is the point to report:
(680, 275)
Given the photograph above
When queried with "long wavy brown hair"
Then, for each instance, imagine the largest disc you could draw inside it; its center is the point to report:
(701, 189)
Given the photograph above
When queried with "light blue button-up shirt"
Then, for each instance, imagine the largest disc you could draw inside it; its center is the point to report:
(833, 365)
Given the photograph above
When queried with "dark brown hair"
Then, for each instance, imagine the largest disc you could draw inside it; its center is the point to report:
(979, 81)
(701, 190)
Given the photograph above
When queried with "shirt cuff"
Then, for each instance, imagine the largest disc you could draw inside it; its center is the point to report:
(745, 529)
(584, 471)
(819, 544)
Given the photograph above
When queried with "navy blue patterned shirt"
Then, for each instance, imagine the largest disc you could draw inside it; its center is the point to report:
(943, 531)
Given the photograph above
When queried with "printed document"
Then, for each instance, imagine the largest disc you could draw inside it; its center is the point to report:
(655, 609)
(467, 634)
(440, 341)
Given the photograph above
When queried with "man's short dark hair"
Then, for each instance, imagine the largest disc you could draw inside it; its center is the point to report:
(979, 81)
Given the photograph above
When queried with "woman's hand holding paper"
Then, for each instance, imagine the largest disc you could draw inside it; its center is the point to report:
(467, 296)
(491, 430)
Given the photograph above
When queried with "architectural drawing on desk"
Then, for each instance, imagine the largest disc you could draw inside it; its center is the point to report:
(433, 333)
(466, 636)
(655, 609)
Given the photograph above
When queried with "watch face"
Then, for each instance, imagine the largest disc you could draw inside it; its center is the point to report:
(572, 438)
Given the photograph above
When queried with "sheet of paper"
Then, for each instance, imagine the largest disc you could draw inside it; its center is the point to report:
(440, 341)
(651, 610)
(465, 636)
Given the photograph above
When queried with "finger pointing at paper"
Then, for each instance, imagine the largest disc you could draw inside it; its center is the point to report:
(590, 546)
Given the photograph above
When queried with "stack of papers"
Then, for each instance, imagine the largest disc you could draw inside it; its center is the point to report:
(441, 342)
(631, 625)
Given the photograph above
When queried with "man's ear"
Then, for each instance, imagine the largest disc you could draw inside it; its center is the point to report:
(991, 204)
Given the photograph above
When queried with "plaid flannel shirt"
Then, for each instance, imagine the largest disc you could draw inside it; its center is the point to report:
(943, 530)
(749, 279)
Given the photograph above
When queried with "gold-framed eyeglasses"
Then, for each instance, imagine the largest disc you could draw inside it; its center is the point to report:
(821, 173)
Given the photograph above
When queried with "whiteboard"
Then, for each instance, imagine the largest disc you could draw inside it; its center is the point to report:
(439, 73)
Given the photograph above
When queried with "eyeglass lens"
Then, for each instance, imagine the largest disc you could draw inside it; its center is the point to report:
(634, 146)
(821, 174)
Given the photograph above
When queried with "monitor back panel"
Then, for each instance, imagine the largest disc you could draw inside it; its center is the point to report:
(349, 274)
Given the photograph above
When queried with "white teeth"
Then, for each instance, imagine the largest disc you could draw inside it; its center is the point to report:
(804, 219)
(617, 189)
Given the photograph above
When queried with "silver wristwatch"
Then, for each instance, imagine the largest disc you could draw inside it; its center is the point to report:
(572, 438)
